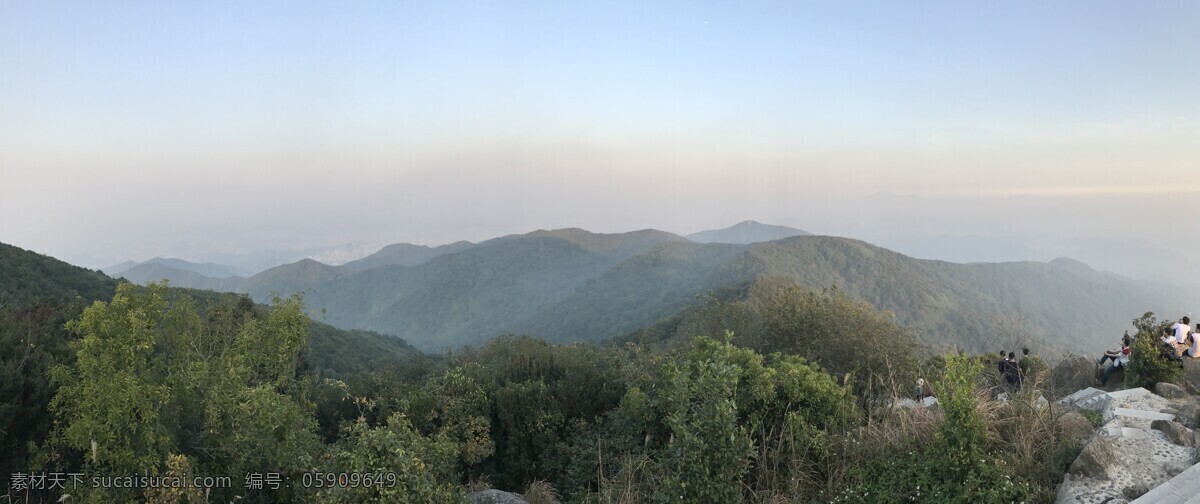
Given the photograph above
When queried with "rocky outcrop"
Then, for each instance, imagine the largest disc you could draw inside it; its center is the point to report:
(1189, 415)
(1072, 374)
(1149, 449)
(1175, 432)
(1074, 427)
(493, 496)
(1095, 459)
(1169, 390)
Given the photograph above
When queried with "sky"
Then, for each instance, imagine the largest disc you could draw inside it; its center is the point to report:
(953, 130)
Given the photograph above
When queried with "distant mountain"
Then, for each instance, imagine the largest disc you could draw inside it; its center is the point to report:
(573, 285)
(153, 272)
(206, 269)
(405, 254)
(116, 269)
(744, 233)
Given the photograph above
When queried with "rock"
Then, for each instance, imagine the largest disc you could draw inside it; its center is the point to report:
(1073, 373)
(1074, 427)
(1175, 432)
(1189, 415)
(493, 496)
(1095, 459)
(1134, 491)
(1169, 390)
(1064, 489)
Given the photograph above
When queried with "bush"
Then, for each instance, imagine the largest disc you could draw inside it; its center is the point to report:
(957, 466)
(1147, 364)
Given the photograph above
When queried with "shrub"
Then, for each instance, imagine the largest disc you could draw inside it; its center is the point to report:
(957, 465)
(1147, 364)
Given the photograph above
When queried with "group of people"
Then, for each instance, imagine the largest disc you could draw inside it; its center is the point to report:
(1012, 370)
(1178, 341)
(1181, 340)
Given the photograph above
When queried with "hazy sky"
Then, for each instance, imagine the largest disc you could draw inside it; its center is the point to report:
(204, 129)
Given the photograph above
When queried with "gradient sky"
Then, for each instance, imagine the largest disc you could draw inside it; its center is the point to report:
(207, 129)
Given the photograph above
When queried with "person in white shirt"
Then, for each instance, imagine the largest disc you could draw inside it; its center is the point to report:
(1120, 362)
(1181, 329)
(1178, 335)
(1194, 352)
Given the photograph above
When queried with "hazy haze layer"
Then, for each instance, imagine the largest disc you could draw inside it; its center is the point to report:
(286, 129)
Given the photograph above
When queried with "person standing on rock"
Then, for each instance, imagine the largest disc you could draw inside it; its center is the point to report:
(1120, 362)
(1024, 364)
(1010, 371)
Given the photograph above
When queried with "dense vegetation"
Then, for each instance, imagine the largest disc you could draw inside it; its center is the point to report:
(28, 276)
(763, 393)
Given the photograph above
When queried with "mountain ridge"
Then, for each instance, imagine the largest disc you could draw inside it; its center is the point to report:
(745, 233)
(573, 285)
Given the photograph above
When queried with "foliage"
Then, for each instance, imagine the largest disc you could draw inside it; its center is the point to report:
(26, 277)
(1147, 364)
(423, 466)
(154, 378)
(167, 381)
(709, 452)
(33, 340)
(958, 465)
(843, 335)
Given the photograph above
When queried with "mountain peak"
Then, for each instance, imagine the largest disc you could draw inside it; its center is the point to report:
(746, 232)
(405, 254)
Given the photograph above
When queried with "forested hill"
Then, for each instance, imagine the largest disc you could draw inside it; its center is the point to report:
(572, 285)
(745, 233)
(26, 276)
(39, 295)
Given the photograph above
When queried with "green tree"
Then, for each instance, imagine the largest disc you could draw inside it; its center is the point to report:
(404, 466)
(112, 402)
(157, 377)
(1147, 364)
(843, 336)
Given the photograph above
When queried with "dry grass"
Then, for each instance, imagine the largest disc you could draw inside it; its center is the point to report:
(541, 492)
(479, 484)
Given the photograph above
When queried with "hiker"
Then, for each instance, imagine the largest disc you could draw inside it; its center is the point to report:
(1168, 349)
(1194, 351)
(1121, 361)
(1180, 331)
(1010, 371)
(920, 389)
(1114, 353)
(1024, 364)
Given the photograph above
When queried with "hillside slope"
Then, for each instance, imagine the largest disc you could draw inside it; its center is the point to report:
(26, 276)
(572, 285)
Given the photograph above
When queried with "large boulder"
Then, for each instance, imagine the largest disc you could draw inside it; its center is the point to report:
(1175, 432)
(1071, 374)
(1096, 458)
(493, 496)
(1169, 390)
(1074, 427)
(1189, 415)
